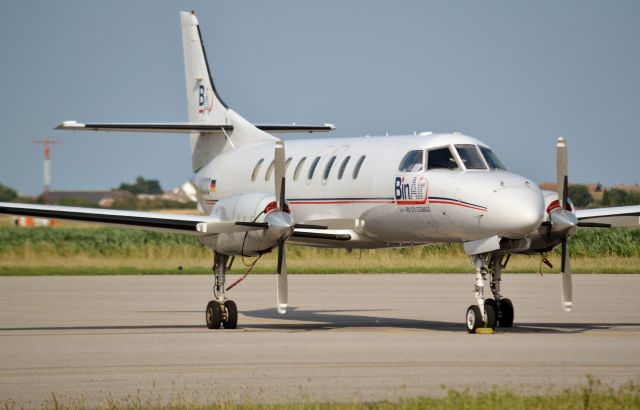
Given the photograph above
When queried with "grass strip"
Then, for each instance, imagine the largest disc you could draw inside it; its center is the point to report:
(108, 251)
(593, 395)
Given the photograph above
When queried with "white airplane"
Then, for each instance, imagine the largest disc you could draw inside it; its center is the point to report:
(351, 193)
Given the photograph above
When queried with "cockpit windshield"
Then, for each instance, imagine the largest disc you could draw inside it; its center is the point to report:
(492, 159)
(441, 158)
(470, 156)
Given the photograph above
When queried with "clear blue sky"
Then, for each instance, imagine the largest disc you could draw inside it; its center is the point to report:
(513, 74)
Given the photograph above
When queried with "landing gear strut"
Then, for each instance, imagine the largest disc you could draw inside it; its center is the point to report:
(221, 310)
(488, 313)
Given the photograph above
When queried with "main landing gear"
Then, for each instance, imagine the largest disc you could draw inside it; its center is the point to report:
(489, 313)
(221, 311)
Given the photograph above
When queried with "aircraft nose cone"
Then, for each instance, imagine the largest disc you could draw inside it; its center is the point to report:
(280, 225)
(515, 212)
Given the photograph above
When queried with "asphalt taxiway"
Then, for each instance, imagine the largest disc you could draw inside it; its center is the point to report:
(347, 337)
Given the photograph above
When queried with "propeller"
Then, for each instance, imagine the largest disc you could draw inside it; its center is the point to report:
(279, 226)
(279, 170)
(563, 192)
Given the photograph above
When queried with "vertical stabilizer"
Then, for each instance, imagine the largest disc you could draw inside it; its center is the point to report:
(204, 104)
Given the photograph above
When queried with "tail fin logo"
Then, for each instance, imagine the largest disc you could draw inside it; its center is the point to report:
(205, 99)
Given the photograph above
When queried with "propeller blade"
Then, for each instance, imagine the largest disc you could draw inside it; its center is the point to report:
(283, 291)
(561, 171)
(279, 168)
(567, 292)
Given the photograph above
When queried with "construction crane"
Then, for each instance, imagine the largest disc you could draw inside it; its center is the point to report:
(46, 165)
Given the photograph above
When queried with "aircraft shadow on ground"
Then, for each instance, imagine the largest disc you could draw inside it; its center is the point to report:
(106, 327)
(341, 319)
(323, 320)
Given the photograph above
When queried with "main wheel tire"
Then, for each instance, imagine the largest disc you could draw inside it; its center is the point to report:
(491, 309)
(494, 304)
(505, 317)
(231, 322)
(474, 318)
(213, 315)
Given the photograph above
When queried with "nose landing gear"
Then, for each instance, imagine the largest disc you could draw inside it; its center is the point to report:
(489, 313)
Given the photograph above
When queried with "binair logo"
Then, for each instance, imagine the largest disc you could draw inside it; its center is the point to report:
(205, 99)
(411, 190)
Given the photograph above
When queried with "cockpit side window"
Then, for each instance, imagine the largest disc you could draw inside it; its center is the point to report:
(492, 159)
(470, 156)
(441, 158)
(412, 162)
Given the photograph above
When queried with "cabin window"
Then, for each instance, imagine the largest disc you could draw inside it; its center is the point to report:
(296, 173)
(441, 158)
(343, 166)
(470, 156)
(327, 169)
(286, 165)
(412, 162)
(492, 159)
(312, 168)
(256, 169)
(356, 169)
(267, 175)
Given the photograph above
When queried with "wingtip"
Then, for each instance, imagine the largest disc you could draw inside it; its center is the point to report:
(64, 125)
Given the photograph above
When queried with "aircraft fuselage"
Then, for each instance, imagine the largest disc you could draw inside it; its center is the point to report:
(398, 208)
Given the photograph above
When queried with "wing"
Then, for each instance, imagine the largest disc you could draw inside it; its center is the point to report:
(616, 217)
(185, 224)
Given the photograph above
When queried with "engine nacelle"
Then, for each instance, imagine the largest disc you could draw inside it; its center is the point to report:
(249, 207)
(551, 233)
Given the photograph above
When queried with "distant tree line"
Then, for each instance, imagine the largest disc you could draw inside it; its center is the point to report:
(126, 197)
(582, 198)
(7, 194)
(142, 186)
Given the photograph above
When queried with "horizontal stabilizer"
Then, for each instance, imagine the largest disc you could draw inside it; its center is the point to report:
(174, 127)
(185, 127)
(286, 128)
